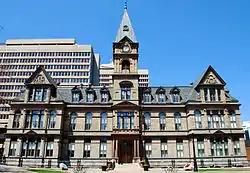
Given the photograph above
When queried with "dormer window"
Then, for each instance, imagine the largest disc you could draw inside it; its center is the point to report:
(126, 93)
(175, 92)
(38, 94)
(76, 97)
(90, 97)
(90, 92)
(76, 94)
(161, 95)
(212, 94)
(104, 95)
(147, 95)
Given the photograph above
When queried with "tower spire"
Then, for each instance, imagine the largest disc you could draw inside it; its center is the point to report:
(126, 5)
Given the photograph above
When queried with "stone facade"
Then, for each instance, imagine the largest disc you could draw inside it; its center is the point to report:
(50, 124)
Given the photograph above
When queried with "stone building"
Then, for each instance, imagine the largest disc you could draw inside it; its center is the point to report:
(87, 125)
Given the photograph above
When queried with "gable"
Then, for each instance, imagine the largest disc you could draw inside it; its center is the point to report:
(40, 79)
(40, 76)
(125, 104)
(210, 77)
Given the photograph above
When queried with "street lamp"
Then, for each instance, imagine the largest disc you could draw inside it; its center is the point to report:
(195, 162)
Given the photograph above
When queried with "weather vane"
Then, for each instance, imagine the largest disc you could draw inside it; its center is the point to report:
(126, 5)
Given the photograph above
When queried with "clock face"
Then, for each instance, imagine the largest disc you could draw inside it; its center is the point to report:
(126, 48)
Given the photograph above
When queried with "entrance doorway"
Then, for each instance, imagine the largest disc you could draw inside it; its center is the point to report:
(126, 151)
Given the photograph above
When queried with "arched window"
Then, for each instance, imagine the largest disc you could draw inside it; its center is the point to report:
(147, 121)
(197, 117)
(162, 116)
(16, 121)
(88, 121)
(104, 118)
(52, 120)
(125, 66)
(177, 119)
(73, 121)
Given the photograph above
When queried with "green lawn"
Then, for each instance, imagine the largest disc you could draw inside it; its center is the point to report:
(221, 170)
(44, 170)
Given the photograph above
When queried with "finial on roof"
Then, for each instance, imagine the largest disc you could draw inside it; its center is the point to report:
(126, 5)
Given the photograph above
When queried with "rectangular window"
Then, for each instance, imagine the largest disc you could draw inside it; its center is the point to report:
(38, 94)
(16, 121)
(87, 147)
(37, 119)
(164, 149)
(49, 149)
(31, 149)
(198, 122)
(71, 149)
(148, 148)
(219, 148)
(222, 121)
(12, 150)
(200, 146)
(179, 148)
(212, 146)
(236, 144)
(233, 120)
(205, 94)
(103, 149)
(219, 95)
(212, 94)
(125, 120)
(44, 94)
(24, 149)
(125, 94)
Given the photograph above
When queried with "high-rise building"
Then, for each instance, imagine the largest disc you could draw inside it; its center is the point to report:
(107, 70)
(246, 128)
(67, 62)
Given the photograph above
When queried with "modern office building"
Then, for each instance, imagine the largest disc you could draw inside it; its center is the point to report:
(67, 62)
(246, 128)
(88, 125)
(107, 70)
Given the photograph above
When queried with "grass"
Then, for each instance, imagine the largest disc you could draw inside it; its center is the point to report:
(222, 170)
(44, 170)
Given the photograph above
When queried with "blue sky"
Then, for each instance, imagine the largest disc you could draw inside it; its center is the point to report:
(178, 39)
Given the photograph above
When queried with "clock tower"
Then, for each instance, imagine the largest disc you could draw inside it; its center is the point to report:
(125, 60)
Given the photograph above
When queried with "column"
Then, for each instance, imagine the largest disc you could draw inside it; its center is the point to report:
(79, 148)
(230, 147)
(242, 147)
(135, 148)
(43, 147)
(227, 119)
(216, 95)
(138, 148)
(113, 148)
(186, 148)
(26, 97)
(18, 147)
(56, 148)
(7, 147)
(110, 149)
(23, 118)
(207, 147)
(48, 95)
(135, 120)
(208, 95)
(45, 121)
(116, 148)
